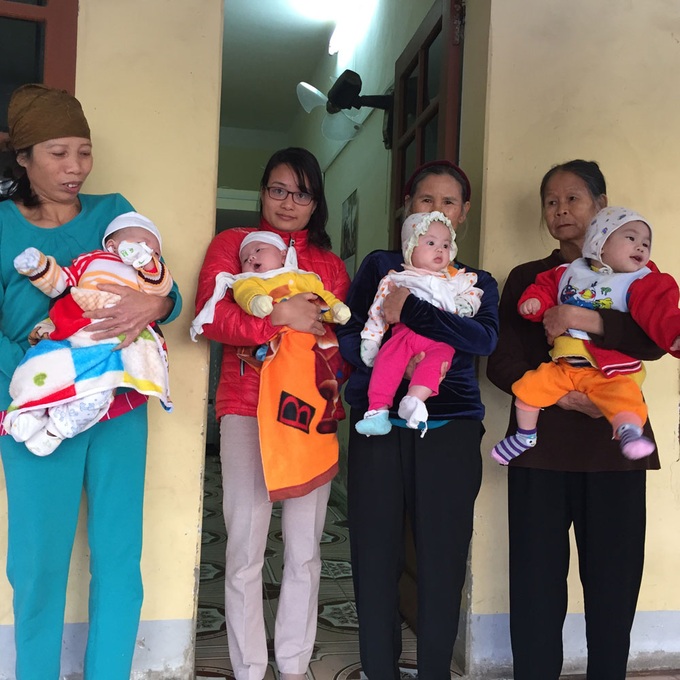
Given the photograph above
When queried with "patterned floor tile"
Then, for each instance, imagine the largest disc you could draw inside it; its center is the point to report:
(345, 667)
(213, 652)
(338, 615)
(217, 670)
(210, 620)
(336, 653)
(336, 569)
(210, 673)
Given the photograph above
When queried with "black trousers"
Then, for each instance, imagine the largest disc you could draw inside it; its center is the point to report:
(608, 512)
(436, 480)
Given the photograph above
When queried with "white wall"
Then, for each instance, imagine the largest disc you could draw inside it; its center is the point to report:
(362, 163)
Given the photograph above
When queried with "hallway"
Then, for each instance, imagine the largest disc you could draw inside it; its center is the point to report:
(336, 652)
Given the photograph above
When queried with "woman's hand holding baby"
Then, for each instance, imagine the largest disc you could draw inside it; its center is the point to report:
(300, 312)
(394, 303)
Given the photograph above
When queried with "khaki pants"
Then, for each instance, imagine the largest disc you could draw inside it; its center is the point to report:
(247, 512)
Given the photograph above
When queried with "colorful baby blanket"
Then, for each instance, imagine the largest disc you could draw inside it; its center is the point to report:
(56, 371)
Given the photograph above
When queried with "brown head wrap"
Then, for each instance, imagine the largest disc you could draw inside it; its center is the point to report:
(37, 113)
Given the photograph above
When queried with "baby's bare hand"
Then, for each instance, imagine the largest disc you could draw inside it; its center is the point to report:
(530, 306)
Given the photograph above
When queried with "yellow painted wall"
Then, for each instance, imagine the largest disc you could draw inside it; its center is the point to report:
(596, 81)
(148, 76)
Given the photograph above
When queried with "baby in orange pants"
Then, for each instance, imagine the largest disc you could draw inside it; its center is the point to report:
(612, 274)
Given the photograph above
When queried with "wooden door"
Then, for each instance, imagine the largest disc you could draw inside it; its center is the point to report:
(427, 96)
(37, 45)
(427, 99)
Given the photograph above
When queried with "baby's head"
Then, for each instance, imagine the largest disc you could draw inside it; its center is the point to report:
(428, 241)
(620, 239)
(133, 228)
(262, 251)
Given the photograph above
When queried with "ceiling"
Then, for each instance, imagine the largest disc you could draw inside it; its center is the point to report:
(269, 47)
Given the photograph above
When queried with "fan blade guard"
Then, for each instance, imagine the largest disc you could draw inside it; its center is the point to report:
(309, 97)
(339, 128)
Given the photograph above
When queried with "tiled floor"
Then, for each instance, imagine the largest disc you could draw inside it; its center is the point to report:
(651, 675)
(336, 653)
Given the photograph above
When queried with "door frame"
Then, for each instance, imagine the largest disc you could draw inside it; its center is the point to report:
(445, 18)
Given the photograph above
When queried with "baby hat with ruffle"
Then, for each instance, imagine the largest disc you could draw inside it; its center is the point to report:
(416, 225)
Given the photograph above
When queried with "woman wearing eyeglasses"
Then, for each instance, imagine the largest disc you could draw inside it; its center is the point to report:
(293, 206)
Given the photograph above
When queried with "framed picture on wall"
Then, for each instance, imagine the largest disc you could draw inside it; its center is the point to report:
(348, 235)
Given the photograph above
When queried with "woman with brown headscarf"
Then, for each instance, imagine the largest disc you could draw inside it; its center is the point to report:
(50, 137)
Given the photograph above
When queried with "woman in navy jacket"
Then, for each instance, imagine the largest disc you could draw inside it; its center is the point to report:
(434, 479)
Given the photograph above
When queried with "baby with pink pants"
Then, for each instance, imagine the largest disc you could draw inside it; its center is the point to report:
(429, 248)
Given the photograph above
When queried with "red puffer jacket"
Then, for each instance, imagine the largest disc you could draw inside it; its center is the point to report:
(239, 384)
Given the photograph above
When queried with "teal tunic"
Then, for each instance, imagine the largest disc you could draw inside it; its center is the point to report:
(22, 305)
(108, 461)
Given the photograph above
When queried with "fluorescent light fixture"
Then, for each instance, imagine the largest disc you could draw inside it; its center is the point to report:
(352, 19)
(316, 10)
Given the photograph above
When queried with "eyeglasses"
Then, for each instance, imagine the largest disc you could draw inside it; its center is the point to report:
(281, 194)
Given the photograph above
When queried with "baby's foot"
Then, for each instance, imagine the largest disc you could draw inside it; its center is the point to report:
(515, 445)
(633, 444)
(43, 443)
(414, 412)
(375, 422)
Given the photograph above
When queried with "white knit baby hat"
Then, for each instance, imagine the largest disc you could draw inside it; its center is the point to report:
(416, 225)
(132, 219)
(604, 224)
(275, 240)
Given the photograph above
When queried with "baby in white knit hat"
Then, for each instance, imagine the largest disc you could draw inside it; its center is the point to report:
(612, 274)
(131, 257)
(269, 274)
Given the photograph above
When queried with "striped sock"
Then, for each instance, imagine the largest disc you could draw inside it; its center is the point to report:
(633, 444)
(514, 445)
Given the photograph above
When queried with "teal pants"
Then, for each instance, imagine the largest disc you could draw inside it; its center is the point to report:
(44, 494)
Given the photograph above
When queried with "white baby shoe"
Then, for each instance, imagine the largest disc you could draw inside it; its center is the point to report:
(414, 412)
